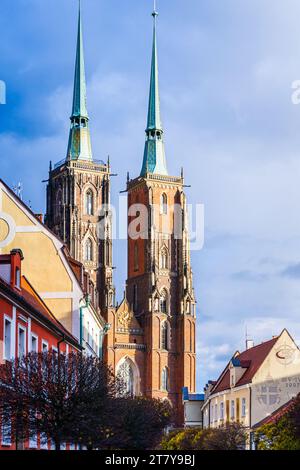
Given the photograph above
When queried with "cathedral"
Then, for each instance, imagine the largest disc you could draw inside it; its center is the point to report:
(150, 340)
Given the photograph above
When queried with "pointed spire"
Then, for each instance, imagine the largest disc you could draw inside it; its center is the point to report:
(154, 119)
(79, 95)
(79, 147)
(154, 155)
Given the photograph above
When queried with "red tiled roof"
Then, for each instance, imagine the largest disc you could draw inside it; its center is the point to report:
(251, 360)
(276, 415)
(28, 297)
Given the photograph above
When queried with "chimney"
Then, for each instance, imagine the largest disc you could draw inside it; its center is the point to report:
(249, 344)
(16, 257)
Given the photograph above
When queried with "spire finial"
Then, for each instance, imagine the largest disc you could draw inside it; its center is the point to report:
(79, 142)
(154, 154)
(155, 12)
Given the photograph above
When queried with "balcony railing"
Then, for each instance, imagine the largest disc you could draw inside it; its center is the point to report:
(95, 165)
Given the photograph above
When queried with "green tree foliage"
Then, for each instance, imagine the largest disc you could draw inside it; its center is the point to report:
(229, 437)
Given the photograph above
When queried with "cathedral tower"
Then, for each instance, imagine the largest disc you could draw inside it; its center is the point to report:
(78, 195)
(152, 339)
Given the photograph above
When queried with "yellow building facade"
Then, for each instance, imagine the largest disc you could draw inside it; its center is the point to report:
(254, 384)
(46, 265)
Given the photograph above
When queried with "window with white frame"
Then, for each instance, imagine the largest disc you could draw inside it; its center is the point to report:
(222, 410)
(6, 429)
(21, 341)
(216, 412)
(45, 346)
(232, 410)
(7, 338)
(243, 407)
(34, 343)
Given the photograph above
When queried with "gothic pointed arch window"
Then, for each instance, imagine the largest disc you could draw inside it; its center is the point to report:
(127, 371)
(89, 202)
(164, 259)
(164, 204)
(163, 302)
(165, 336)
(88, 250)
(165, 379)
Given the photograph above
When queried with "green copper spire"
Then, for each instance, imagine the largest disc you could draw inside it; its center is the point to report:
(79, 147)
(154, 154)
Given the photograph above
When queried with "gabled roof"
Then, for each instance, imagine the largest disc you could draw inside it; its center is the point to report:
(250, 360)
(276, 415)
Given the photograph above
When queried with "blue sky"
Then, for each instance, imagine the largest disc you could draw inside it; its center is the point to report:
(226, 69)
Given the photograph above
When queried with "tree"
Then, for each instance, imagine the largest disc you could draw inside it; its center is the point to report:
(185, 439)
(140, 424)
(58, 396)
(229, 437)
(232, 436)
(294, 416)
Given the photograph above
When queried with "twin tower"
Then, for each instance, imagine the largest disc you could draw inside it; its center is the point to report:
(151, 340)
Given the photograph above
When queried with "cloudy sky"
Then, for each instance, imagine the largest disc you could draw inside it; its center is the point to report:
(226, 74)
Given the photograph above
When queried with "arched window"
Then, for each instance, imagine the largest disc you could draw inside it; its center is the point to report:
(164, 204)
(125, 372)
(89, 250)
(164, 336)
(89, 202)
(136, 256)
(164, 302)
(165, 379)
(164, 261)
